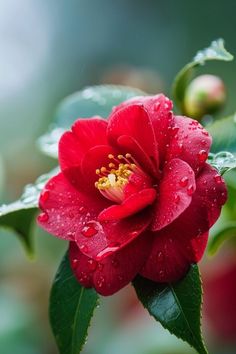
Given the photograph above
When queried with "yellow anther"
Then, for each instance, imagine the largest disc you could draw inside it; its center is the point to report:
(103, 169)
(97, 171)
(120, 157)
(110, 156)
(128, 156)
(111, 165)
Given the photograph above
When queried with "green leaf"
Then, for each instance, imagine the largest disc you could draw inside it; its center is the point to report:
(225, 233)
(215, 51)
(20, 215)
(92, 101)
(223, 132)
(176, 306)
(223, 161)
(71, 309)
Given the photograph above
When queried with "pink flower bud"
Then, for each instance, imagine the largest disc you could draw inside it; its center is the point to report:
(205, 95)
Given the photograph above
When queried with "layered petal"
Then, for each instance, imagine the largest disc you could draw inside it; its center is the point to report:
(133, 121)
(85, 134)
(99, 240)
(159, 111)
(174, 193)
(113, 273)
(171, 255)
(133, 204)
(184, 241)
(191, 142)
(65, 209)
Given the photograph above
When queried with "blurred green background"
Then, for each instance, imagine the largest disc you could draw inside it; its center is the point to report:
(49, 49)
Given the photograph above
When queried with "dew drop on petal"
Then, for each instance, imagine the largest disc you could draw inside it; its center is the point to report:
(74, 263)
(176, 198)
(83, 248)
(156, 106)
(43, 217)
(89, 230)
(100, 281)
(44, 196)
(92, 265)
(184, 181)
(115, 263)
(160, 257)
(190, 190)
(218, 179)
(82, 210)
(202, 156)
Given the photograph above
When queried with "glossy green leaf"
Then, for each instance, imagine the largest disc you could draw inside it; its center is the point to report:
(223, 132)
(20, 215)
(71, 309)
(92, 101)
(225, 233)
(215, 51)
(176, 306)
(223, 161)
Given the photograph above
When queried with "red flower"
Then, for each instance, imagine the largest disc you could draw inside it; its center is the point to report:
(134, 195)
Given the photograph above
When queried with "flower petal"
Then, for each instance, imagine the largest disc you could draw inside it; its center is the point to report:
(65, 209)
(94, 159)
(113, 273)
(85, 134)
(171, 255)
(175, 193)
(191, 142)
(131, 205)
(159, 109)
(184, 241)
(133, 121)
(100, 240)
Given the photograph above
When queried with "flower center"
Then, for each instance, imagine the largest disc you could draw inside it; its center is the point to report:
(113, 179)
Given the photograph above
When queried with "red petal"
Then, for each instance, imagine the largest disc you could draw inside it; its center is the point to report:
(191, 142)
(159, 111)
(128, 143)
(94, 159)
(114, 272)
(175, 193)
(65, 209)
(108, 237)
(133, 121)
(85, 134)
(171, 255)
(130, 206)
(183, 242)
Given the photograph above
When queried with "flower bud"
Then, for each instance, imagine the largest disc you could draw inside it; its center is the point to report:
(205, 95)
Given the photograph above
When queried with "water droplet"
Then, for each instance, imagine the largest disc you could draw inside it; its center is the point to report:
(89, 229)
(190, 190)
(43, 217)
(92, 265)
(75, 263)
(156, 106)
(204, 132)
(83, 248)
(134, 233)
(176, 198)
(202, 156)
(218, 179)
(115, 263)
(108, 250)
(44, 196)
(160, 257)
(161, 274)
(100, 281)
(184, 181)
(82, 210)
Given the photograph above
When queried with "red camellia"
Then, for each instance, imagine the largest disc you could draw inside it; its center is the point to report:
(134, 195)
